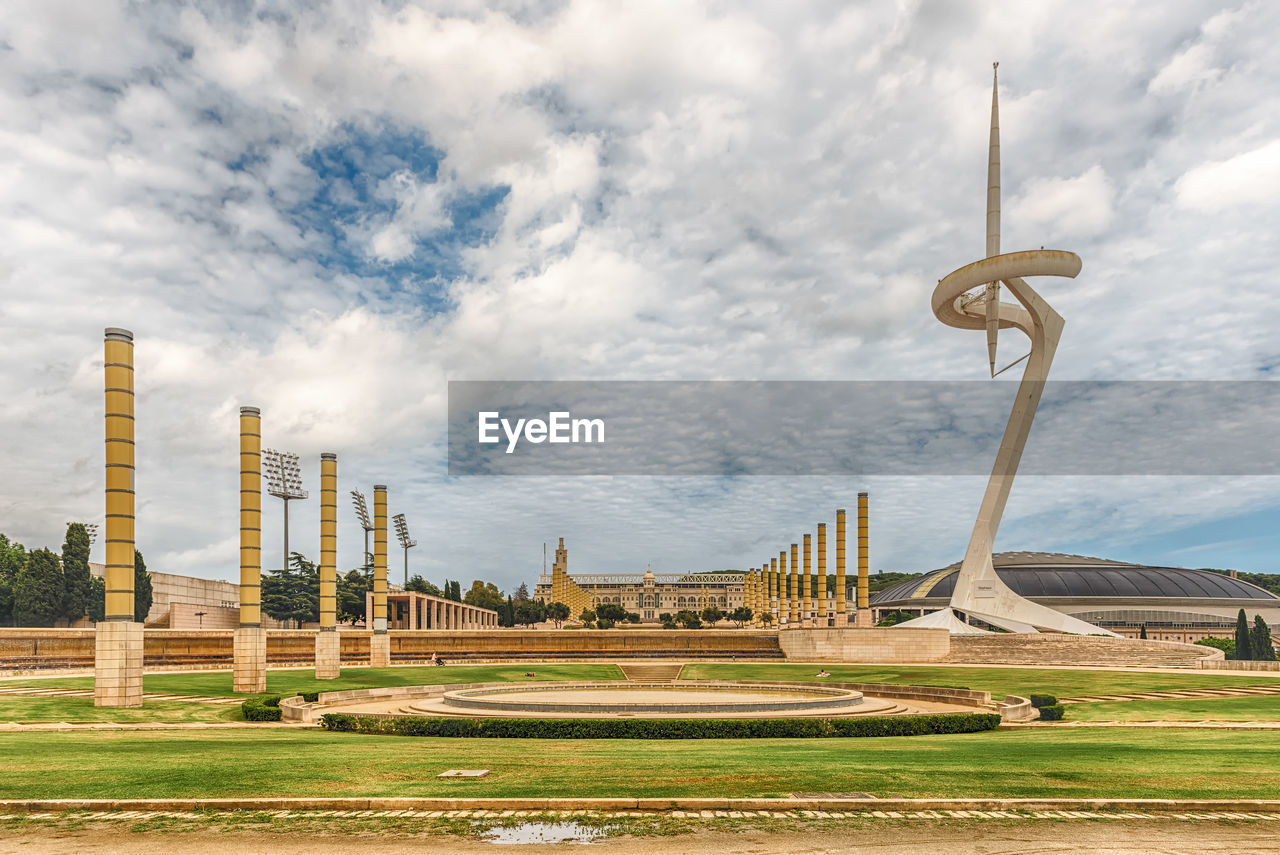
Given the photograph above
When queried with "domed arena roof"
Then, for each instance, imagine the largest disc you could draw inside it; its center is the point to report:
(1046, 574)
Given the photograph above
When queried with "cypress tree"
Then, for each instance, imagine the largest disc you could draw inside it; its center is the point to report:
(1142, 633)
(12, 559)
(141, 588)
(97, 599)
(1243, 649)
(75, 573)
(1260, 640)
(37, 592)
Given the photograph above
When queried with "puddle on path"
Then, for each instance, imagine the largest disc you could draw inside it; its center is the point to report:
(544, 832)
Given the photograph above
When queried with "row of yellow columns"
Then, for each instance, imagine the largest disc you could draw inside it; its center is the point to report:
(790, 597)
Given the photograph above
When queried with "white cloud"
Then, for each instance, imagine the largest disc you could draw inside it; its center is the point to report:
(1065, 207)
(1249, 178)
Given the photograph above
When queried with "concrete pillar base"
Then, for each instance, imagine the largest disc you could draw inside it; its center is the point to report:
(379, 650)
(249, 671)
(864, 618)
(117, 664)
(328, 655)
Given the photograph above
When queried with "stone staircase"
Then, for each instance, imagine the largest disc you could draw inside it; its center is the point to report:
(651, 673)
(1056, 649)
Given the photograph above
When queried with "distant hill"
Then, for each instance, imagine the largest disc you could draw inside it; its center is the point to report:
(1267, 581)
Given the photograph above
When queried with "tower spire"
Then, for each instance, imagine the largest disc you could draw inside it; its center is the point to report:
(993, 218)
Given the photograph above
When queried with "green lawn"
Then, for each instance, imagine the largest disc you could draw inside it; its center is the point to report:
(292, 681)
(276, 762)
(999, 681)
(31, 710)
(1199, 709)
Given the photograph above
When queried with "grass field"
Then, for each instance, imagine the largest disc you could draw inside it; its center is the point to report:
(1036, 763)
(1198, 709)
(999, 681)
(292, 681)
(34, 710)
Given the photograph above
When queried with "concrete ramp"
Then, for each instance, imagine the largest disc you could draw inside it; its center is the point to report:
(652, 673)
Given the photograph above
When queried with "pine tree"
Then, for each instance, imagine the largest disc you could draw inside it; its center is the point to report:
(1260, 640)
(37, 592)
(141, 588)
(12, 559)
(75, 573)
(1243, 649)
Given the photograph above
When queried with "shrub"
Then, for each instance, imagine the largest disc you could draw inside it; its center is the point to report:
(604, 623)
(261, 709)
(1053, 712)
(1039, 701)
(669, 624)
(641, 728)
(310, 697)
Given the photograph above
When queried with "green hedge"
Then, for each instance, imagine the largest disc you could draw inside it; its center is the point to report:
(1053, 712)
(1039, 701)
(641, 728)
(261, 709)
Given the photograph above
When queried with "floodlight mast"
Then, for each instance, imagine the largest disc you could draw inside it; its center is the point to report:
(362, 514)
(284, 481)
(402, 533)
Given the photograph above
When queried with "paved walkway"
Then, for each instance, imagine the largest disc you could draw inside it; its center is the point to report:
(1184, 694)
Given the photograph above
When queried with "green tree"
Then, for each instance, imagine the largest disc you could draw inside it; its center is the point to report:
(1260, 640)
(141, 588)
(766, 618)
(12, 559)
(521, 593)
(558, 613)
(484, 595)
(741, 615)
(97, 599)
(712, 615)
(1142, 633)
(37, 593)
(422, 586)
(1226, 645)
(530, 612)
(292, 594)
(894, 618)
(588, 618)
(610, 612)
(1244, 650)
(688, 619)
(351, 595)
(75, 573)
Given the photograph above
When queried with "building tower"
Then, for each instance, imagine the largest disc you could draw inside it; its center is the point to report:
(379, 641)
(117, 647)
(249, 645)
(328, 644)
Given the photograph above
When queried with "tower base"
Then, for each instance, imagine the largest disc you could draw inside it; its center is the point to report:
(864, 618)
(249, 672)
(328, 654)
(117, 664)
(379, 650)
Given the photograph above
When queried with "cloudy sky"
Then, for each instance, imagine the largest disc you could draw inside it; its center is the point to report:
(330, 209)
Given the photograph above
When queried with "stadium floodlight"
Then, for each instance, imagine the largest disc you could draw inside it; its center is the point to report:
(284, 481)
(362, 514)
(402, 533)
(90, 529)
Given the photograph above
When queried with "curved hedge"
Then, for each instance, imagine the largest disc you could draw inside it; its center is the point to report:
(261, 709)
(641, 728)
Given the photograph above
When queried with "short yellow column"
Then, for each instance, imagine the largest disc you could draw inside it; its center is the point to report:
(379, 642)
(249, 643)
(842, 617)
(864, 566)
(824, 600)
(793, 615)
(328, 644)
(806, 601)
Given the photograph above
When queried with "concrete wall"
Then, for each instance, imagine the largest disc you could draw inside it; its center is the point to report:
(1237, 665)
(870, 644)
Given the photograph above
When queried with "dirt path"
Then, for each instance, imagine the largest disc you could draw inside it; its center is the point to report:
(1165, 837)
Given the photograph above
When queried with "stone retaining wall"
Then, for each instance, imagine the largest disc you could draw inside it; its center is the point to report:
(1237, 665)
(870, 644)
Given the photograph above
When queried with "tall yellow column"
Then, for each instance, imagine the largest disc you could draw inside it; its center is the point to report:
(806, 600)
(773, 590)
(117, 659)
(328, 644)
(793, 615)
(784, 599)
(842, 617)
(249, 643)
(379, 642)
(824, 598)
(864, 581)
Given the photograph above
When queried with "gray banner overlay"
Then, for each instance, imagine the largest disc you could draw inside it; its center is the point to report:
(735, 428)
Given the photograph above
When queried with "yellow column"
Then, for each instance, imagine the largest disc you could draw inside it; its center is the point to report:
(824, 599)
(864, 597)
(328, 645)
(793, 614)
(806, 601)
(773, 589)
(841, 613)
(117, 666)
(379, 642)
(249, 643)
